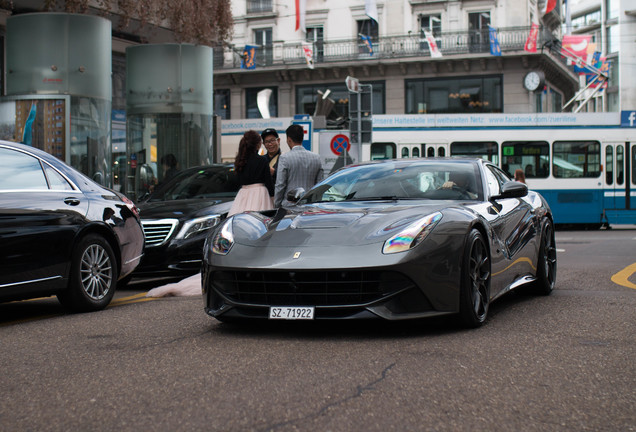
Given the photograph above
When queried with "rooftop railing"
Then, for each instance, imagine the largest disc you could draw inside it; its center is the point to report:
(386, 47)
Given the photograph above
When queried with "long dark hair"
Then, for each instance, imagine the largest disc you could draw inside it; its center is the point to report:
(250, 143)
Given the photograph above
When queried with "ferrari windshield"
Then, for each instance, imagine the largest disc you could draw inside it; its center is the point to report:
(399, 180)
(199, 183)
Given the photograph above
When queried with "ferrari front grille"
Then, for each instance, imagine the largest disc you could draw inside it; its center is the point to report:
(157, 232)
(308, 288)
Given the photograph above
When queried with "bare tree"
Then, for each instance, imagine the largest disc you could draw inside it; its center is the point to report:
(204, 22)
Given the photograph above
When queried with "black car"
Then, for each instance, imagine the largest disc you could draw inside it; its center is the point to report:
(61, 233)
(387, 239)
(178, 216)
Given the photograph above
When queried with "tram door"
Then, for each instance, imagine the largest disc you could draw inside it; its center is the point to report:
(435, 150)
(617, 181)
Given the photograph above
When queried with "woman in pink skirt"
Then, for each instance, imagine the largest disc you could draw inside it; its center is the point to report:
(257, 187)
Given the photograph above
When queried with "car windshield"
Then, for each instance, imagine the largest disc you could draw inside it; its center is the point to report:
(396, 180)
(199, 183)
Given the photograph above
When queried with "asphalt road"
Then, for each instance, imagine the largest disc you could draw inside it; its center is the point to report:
(560, 363)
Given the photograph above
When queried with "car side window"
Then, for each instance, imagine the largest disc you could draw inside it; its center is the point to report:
(56, 180)
(20, 171)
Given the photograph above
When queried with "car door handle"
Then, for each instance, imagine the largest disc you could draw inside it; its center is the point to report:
(71, 201)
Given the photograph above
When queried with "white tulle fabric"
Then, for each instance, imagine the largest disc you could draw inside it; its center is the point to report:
(190, 286)
(252, 197)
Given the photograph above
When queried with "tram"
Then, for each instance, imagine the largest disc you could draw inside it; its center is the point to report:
(583, 164)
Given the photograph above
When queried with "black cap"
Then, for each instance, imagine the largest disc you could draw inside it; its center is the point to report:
(269, 131)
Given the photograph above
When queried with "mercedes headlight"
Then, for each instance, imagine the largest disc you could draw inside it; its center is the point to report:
(412, 235)
(223, 239)
(198, 226)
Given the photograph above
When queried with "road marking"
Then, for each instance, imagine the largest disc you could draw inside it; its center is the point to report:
(622, 277)
(141, 297)
(560, 250)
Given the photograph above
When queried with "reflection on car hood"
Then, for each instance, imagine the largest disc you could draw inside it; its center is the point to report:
(183, 209)
(328, 224)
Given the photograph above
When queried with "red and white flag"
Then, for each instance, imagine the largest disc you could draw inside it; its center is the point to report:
(575, 47)
(531, 42)
(432, 45)
(301, 9)
(547, 6)
(308, 49)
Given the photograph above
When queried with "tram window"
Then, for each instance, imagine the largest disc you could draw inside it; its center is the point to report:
(609, 165)
(382, 151)
(482, 149)
(533, 157)
(415, 152)
(634, 164)
(574, 159)
(620, 165)
(405, 152)
(441, 151)
(430, 152)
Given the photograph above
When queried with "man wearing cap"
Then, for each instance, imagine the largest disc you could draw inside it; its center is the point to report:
(272, 145)
(298, 168)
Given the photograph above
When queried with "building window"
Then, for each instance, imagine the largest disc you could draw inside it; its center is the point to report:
(478, 23)
(222, 103)
(263, 39)
(368, 28)
(307, 96)
(252, 107)
(315, 35)
(456, 95)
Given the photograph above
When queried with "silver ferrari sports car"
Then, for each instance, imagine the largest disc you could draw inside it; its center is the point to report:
(391, 239)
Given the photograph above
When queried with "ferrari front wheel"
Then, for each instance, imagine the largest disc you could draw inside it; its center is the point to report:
(474, 294)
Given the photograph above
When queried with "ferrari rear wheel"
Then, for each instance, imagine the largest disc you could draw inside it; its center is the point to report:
(546, 262)
(474, 295)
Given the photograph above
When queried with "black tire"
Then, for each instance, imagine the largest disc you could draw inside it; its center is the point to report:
(93, 276)
(546, 262)
(474, 294)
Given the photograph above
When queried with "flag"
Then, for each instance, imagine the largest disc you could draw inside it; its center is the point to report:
(432, 45)
(495, 49)
(249, 57)
(547, 6)
(301, 8)
(604, 66)
(591, 59)
(531, 42)
(575, 46)
(308, 49)
(371, 9)
(368, 42)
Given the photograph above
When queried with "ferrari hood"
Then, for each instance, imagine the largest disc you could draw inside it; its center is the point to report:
(326, 224)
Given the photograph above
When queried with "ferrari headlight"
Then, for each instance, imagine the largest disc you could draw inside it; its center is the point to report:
(412, 235)
(198, 226)
(223, 239)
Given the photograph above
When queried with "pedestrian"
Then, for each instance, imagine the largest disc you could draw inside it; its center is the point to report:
(298, 168)
(252, 170)
(271, 140)
(520, 176)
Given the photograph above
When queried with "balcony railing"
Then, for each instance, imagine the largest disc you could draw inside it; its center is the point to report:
(389, 47)
(259, 6)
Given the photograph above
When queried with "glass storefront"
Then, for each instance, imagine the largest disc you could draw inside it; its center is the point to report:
(160, 145)
(456, 95)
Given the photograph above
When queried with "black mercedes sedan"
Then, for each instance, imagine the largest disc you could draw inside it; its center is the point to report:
(61, 233)
(178, 216)
(395, 239)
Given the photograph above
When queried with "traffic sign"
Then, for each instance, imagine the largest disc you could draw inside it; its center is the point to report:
(307, 132)
(340, 143)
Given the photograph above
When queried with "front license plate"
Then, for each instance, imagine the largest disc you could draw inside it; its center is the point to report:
(291, 313)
